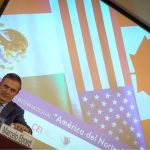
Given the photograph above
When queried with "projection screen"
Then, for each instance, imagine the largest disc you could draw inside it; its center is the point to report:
(84, 68)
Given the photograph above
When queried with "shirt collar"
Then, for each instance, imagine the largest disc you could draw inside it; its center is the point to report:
(3, 104)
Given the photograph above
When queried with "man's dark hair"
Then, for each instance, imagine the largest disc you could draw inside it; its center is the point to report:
(12, 76)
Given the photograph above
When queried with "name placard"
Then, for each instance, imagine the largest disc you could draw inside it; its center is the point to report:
(17, 136)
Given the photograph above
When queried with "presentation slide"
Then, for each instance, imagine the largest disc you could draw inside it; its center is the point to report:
(84, 69)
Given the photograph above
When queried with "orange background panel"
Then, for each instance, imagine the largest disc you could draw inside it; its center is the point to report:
(27, 7)
(146, 128)
(124, 21)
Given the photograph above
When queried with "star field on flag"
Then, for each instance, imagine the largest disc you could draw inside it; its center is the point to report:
(115, 113)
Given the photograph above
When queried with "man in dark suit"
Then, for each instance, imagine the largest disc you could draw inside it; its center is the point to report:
(13, 114)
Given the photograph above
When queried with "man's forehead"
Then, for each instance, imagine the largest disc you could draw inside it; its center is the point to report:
(11, 82)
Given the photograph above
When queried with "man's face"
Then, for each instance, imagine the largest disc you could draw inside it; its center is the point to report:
(8, 89)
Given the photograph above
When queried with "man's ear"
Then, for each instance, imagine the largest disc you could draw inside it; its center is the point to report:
(18, 92)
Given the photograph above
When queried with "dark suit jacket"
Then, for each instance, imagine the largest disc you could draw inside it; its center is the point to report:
(12, 113)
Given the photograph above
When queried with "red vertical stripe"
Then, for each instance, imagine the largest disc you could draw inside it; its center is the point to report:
(71, 45)
(88, 45)
(104, 43)
(120, 47)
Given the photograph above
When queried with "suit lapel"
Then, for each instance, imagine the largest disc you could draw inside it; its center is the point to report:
(7, 110)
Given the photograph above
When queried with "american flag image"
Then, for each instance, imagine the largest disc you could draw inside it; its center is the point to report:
(115, 113)
(97, 69)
